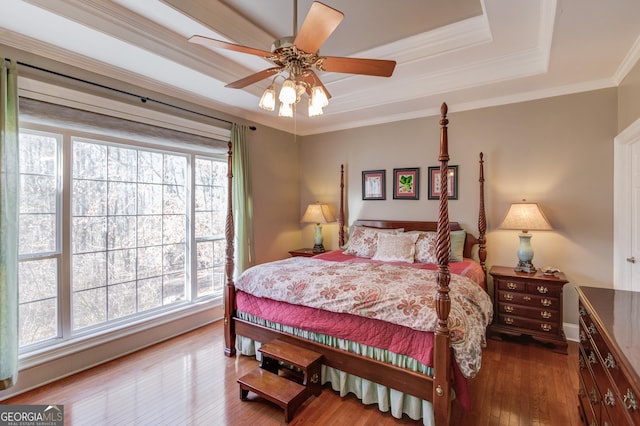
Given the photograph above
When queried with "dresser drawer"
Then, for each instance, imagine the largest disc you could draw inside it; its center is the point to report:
(589, 395)
(511, 285)
(544, 289)
(530, 312)
(530, 300)
(530, 324)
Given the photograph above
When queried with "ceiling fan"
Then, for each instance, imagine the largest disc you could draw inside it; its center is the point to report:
(296, 57)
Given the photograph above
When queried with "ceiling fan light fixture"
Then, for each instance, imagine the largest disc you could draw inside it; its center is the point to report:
(319, 97)
(285, 110)
(314, 109)
(268, 99)
(288, 93)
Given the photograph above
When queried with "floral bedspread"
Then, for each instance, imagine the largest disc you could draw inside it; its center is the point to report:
(387, 292)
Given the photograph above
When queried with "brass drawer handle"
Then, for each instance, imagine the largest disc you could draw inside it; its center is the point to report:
(508, 296)
(630, 401)
(508, 308)
(526, 298)
(545, 314)
(542, 289)
(593, 396)
(610, 362)
(546, 302)
(581, 363)
(508, 320)
(592, 329)
(545, 327)
(582, 311)
(512, 286)
(609, 399)
(593, 359)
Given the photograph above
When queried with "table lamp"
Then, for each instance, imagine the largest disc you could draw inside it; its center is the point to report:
(525, 217)
(317, 213)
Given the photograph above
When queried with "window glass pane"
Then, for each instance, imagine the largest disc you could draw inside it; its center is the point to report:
(122, 300)
(90, 234)
(89, 307)
(210, 189)
(37, 296)
(37, 233)
(38, 219)
(143, 219)
(89, 161)
(122, 164)
(89, 270)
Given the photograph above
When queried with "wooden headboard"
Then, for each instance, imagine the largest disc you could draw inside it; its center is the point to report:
(469, 241)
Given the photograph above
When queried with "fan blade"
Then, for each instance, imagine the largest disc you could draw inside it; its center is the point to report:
(312, 79)
(253, 78)
(375, 67)
(210, 42)
(320, 22)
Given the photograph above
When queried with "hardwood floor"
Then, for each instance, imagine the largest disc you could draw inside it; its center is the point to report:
(189, 381)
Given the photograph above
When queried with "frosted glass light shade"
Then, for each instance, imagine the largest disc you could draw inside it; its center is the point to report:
(268, 99)
(288, 93)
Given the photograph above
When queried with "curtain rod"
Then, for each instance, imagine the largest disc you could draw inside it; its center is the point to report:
(143, 99)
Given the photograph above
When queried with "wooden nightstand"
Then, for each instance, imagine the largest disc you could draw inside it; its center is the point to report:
(528, 304)
(303, 252)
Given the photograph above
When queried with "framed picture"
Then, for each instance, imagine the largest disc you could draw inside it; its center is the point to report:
(406, 184)
(373, 185)
(434, 183)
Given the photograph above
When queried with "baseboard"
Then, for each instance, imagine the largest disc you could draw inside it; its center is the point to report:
(572, 331)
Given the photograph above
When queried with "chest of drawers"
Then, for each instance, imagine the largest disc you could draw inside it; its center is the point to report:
(528, 304)
(609, 358)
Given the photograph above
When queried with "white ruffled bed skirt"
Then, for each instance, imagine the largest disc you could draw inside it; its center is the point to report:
(365, 390)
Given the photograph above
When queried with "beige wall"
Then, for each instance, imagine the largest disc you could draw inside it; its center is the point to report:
(557, 152)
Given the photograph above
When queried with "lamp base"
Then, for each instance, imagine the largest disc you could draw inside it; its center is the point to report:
(318, 248)
(525, 267)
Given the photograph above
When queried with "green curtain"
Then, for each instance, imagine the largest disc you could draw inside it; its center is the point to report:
(242, 199)
(8, 225)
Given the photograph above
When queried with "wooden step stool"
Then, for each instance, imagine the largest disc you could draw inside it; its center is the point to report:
(288, 376)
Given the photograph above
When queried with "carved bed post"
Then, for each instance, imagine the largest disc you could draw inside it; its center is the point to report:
(482, 223)
(341, 210)
(442, 361)
(229, 288)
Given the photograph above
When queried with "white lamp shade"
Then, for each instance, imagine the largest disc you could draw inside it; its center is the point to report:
(317, 213)
(525, 217)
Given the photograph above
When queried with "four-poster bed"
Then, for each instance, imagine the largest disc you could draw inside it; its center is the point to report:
(442, 373)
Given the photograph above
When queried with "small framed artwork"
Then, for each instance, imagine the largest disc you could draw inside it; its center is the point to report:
(373, 185)
(406, 183)
(434, 183)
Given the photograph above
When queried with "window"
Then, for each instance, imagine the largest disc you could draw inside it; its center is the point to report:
(112, 245)
(39, 244)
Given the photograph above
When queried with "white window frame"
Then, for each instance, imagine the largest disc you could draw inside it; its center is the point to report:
(40, 353)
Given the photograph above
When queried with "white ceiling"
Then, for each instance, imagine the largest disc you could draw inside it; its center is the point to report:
(468, 53)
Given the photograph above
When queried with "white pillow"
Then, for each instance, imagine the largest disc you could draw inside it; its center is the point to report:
(426, 247)
(396, 247)
(363, 241)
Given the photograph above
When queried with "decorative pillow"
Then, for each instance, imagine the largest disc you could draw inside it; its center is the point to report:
(364, 241)
(396, 247)
(457, 245)
(426, 246)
